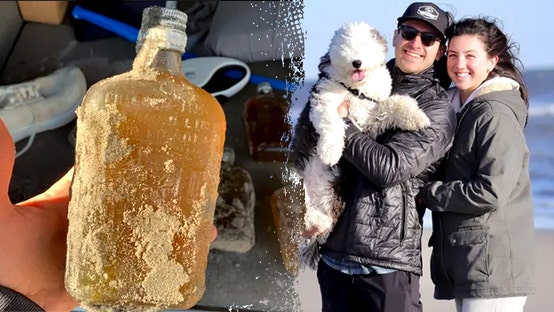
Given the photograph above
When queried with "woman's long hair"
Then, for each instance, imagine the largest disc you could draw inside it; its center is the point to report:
(496, 43)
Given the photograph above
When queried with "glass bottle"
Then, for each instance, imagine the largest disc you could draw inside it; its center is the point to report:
(148, 154)
(288, 208)
(266, 124)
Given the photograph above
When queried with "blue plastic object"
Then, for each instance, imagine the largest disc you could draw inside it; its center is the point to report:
(130, 33)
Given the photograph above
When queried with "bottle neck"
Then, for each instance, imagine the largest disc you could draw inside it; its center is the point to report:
(156, 55)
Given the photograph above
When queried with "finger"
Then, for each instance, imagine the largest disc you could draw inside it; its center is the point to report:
(311, 232)
(7, 160)
(343, 109)
(56, 197)
(214, 233)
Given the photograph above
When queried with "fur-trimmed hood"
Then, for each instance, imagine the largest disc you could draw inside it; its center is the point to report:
(486, 90)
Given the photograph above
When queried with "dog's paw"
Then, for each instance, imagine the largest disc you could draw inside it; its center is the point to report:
(330, 157)
(312, 232)
(407, 114)
(405, 102)
(421, 120)
(330, 152)
(317, 223)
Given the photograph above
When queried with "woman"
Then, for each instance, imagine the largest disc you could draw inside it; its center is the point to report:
(482, 209)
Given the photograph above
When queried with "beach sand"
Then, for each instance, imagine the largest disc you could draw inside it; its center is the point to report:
(308, 288)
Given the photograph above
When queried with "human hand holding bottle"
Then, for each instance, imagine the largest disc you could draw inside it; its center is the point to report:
(33, 237)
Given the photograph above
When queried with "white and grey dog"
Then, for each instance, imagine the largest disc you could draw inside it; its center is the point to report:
(353, 70)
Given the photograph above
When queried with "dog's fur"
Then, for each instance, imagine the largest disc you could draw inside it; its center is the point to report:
(353, 70)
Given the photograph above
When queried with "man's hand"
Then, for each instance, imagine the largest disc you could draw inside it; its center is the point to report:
(33, 237)
(343, 109)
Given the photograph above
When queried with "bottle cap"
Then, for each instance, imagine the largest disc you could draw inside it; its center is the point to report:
(164, 23)
(264, 88)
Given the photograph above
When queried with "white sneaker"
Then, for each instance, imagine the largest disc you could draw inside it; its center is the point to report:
(42, 104)
(221, 76)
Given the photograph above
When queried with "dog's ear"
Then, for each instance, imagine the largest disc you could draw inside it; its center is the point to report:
(380, 39)
(324, 62)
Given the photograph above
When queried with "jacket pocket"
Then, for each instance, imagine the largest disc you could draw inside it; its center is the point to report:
(436, 267)
(439, 276)
(466, 256)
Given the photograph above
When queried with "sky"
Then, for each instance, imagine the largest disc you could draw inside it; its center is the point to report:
(526, 22)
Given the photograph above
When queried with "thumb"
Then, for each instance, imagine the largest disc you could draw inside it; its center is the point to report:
(56, 197)
(7, 160)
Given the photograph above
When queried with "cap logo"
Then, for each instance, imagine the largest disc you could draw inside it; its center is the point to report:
(428, 12)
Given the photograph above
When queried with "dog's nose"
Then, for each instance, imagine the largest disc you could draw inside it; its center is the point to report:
(357, 64)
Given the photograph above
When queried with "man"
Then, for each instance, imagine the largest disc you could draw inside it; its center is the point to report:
(372, 259)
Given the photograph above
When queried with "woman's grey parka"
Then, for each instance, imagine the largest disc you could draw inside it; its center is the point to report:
(483, 211)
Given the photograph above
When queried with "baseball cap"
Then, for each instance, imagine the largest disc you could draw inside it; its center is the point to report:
(427, 12)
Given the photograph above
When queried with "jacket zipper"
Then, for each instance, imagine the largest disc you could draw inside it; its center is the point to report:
(404, 212)
(459, 116)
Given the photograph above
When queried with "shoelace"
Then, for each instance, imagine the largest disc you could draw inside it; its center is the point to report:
(15, 96)
(31, 138)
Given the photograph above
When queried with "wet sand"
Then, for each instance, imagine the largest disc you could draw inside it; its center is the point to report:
(308, 289)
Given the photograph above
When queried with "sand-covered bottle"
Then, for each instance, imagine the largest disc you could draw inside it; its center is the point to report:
(288, 208)
(148, 154)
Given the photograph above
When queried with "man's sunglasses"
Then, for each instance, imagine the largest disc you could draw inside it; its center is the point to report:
(409, 33)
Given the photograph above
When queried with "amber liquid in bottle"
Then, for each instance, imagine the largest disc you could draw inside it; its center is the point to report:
(148, 155)
(288, 208)
(267, 128)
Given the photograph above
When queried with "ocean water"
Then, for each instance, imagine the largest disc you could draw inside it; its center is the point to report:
(540, 138)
